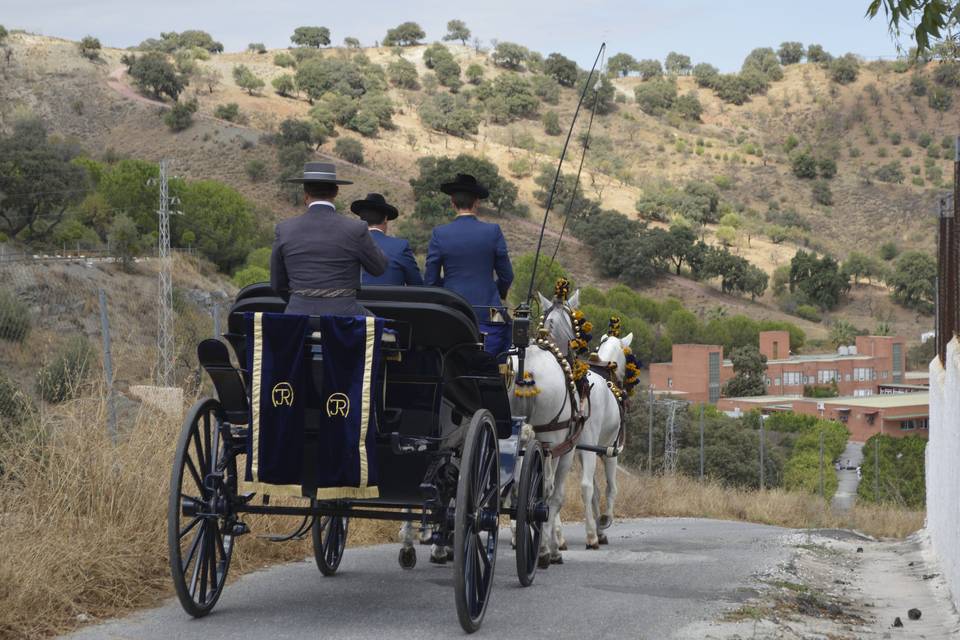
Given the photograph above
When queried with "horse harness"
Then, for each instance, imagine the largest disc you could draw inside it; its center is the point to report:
(574, 424)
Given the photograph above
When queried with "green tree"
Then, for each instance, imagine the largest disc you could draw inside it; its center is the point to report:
(449, 114)
(284, 60)
(563, 69)
(845, 69)
(551, 123)
(790, 53)
(350, 149)
(90, 48)
(822, 194)
(448, 73)
(250, 274)
(351, 43)
(403, 74)
(256, 170)
(311, 37)
(621, 64)
(818, 55)
(947, 73)
(247, 79)
(124, 240)
(705, 74)
(547, 274)
(221, 219)
(914, 281)
(657, 96)
(804, 164)
(820, 280)
(842, 333)
(474, 73)
(434, 171)
(153, 72)
(860, 265)
(749, 367)
(546, 88)
(457, 30)
(284, 84)
(732, 88)
(940, 99)
(678, 64)
(3, 33)
(889, 250)
(928, 19)
(901, 471)
(509, 55)
(764, 61)
(257, 47)
(688, 107)
(28, 158)
(649, 69)
(404, 35)
(890, 172)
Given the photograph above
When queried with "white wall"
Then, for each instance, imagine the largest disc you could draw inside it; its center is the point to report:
(943, 466)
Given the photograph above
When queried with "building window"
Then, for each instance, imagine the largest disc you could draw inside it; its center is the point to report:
(863, 374)
(897, 362)
(714, 377)
(862, 392)
(669, 383)
(825, 376)
(776, 350)
(792, 378)
(776, 382)
(914, 423)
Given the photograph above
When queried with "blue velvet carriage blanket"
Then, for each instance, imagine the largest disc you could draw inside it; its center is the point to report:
(286, 397)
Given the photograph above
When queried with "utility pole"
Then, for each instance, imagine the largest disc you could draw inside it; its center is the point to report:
(948, 263)
(670, 441)
(165, 347)
(701, 442)
(762, 479)
(650, 437)
(822, 493)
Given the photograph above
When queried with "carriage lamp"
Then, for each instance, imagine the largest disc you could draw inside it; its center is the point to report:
(521, 326)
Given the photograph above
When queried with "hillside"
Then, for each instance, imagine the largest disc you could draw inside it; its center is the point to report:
(742, 144)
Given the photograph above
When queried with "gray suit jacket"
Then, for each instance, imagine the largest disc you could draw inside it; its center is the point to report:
(323, 249)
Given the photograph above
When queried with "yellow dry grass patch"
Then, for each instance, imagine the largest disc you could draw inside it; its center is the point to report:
(682, 496)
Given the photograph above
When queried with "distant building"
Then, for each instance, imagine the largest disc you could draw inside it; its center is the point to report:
(902, 414)
(874, 364)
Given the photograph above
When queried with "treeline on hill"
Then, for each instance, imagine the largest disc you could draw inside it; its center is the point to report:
(56, 196)
(731, 446)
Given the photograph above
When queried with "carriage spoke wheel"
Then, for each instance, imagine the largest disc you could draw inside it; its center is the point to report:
(329, 540)
(199, 529)
(530, 500)
(476, 521)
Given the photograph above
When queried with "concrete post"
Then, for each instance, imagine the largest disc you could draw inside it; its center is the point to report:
(701, 442)
(822, 492)
(650, 437)
(762, 474)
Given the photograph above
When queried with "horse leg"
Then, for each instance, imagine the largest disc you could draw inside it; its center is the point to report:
(408, 555)
(610, 469)
(549, 475)
(556, 503)
(558, 534)
(588, 460)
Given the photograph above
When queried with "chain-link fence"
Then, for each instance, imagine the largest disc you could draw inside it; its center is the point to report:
(84, 327)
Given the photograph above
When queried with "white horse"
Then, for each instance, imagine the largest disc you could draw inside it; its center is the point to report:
(553, 402)
(602, 427)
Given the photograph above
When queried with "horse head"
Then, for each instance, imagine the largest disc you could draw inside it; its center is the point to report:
(612, 349)
(558, 319)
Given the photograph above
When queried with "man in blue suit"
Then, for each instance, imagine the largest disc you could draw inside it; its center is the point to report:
(401, 267)
(464, 255)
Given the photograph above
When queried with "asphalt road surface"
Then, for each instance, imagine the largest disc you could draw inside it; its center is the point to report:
(847, 480)
(656, 577)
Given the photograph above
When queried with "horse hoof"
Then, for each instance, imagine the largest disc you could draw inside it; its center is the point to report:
(563, 547)
(449, 554)
(543, 562)
(438, 559)
(408, 558)
(602, 539)
(558, 559)
(604, 522)
(593, 547)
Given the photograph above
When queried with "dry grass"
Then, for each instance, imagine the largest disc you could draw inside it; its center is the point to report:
(83, 521)
(681, 496)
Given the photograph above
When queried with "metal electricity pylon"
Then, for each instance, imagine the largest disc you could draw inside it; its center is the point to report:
(165, 345)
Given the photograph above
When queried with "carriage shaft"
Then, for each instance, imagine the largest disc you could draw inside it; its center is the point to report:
(414, 515)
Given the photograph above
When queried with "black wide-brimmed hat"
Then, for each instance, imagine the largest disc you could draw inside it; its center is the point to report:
(465, 183)
(319, 172)
(376, 203)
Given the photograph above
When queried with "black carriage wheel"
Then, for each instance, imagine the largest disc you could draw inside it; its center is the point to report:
(529, 526)
(476, 521)
(199, 532)
(329, 540)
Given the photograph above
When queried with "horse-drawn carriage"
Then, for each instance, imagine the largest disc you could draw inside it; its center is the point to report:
(442, 446)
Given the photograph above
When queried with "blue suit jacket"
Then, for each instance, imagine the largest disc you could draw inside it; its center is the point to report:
(464, 255)
(401, 269)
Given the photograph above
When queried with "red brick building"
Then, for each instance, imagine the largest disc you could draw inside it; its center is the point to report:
(698, 372)
(902, 414)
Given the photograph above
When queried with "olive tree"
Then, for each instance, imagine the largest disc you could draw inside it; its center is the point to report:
(678, 64)
(621, 64)
(457, 30)
(247, 79)
(790, 53)
(311, 37)
(404, 35)
(509, 55)
(563, 69)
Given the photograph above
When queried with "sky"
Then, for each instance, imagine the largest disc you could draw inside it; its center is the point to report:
(720, 32)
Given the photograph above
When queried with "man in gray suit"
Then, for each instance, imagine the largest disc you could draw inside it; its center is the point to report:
(317, 257)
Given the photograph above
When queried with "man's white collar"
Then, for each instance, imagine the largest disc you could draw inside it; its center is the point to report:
(324, 202)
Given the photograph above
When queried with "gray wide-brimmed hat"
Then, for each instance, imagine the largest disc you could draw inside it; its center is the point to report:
(376, 203)
(319, 172)
(465, 183)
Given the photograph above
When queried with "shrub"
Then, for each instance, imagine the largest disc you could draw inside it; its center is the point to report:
(285, 60)
(906, 152)
(509, 55)
(519, 168)
(890, 172)
(895, 138)
(124, 239)
(257, 47)
(822, 194)
(845, 69)
(803, 164)
(947, 142)
(62, 377)
(947, 74)
(827, 167)
(889, 250)
(802, 473)
(551, 123)
(350, 149)
(403, 74)
(924, 139)
(180, 116)
(284, 84)
(918, 85)
(940, 99)
(229, 112)
(14, 317)
(90, 48)
(790, 143)
(247, 79)
(474, 74)
(688, 107)
(808, 312)
(655, 96)
(256, 170)
(250, 274)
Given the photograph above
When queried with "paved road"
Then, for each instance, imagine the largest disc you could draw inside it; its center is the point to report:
(847, 481)
(656, 577)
